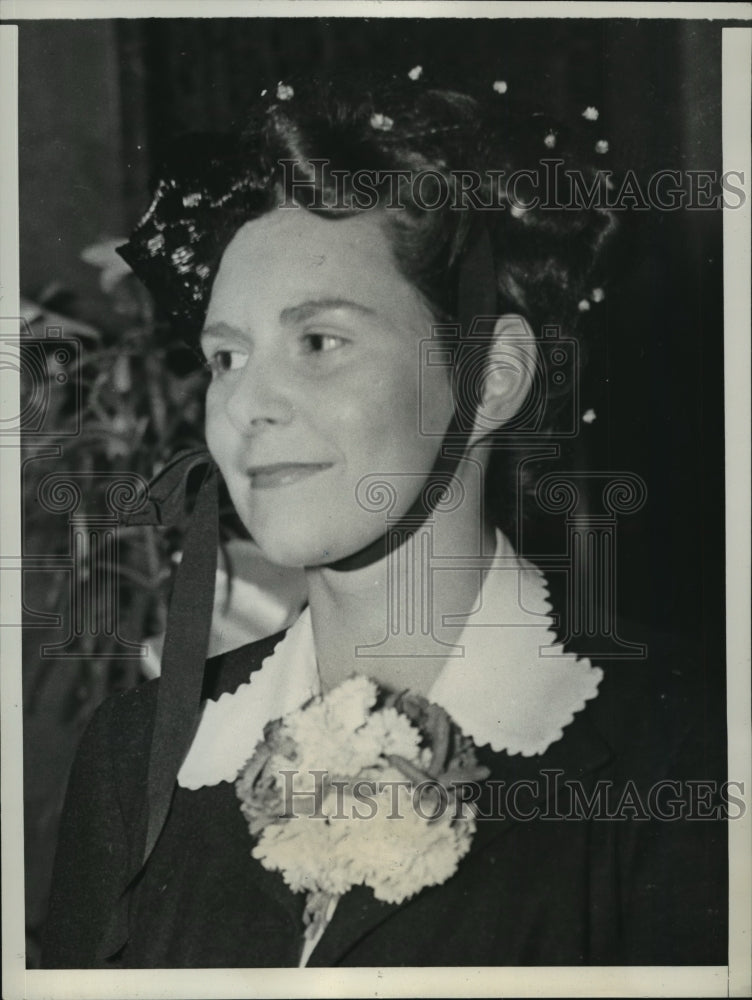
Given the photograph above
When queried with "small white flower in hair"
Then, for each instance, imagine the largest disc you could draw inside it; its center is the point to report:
(601, 146)
(550, 140)
(416, 72)
(597, 295)
(500, 86)
(583, 305)
(181, 258)
(381, 122)
(284, 91)
(155, 244)
(588, 416)
(591, 114)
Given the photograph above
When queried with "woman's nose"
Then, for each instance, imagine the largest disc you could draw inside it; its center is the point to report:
(257, 400)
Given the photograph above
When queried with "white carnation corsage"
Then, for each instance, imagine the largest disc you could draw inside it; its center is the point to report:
(358, 787)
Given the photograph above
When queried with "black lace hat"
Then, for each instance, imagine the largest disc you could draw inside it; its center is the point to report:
(204, 194)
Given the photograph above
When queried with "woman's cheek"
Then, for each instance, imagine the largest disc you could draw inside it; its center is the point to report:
(217, 430)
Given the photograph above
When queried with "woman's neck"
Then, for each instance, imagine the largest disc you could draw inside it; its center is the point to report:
(386, 618)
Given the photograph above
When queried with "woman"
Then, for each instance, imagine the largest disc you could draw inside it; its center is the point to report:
(369, 288)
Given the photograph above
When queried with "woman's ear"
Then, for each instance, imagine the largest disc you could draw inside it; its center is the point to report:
(508, 375)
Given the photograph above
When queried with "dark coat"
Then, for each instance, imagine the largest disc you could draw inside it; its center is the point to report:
(543, 890)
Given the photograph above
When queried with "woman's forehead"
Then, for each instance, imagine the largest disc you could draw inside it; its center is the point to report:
(285, 230)
(295, 260)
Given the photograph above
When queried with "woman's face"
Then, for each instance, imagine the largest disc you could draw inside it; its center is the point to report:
(312, 336)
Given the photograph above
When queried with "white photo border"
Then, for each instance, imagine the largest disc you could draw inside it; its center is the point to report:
(734, 980)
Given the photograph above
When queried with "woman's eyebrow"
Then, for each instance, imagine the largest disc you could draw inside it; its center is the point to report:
(293, 314)
(312, 307)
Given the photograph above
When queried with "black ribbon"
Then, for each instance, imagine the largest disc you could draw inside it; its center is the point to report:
(183, 657)
(476, 287)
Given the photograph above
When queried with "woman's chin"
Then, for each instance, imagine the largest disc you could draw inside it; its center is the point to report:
(311, 550)
(291, 551)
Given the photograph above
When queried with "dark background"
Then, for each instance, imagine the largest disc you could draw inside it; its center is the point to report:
(99, 99)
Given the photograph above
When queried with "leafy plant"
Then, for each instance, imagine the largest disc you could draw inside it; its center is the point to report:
(122, 401)
(133, 398)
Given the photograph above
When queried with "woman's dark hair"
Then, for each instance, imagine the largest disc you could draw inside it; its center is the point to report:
(469, 154)
(437, 162)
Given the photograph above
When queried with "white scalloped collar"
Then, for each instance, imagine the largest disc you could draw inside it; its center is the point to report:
(514, 688)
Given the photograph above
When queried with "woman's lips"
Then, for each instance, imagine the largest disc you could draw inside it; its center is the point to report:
(267, 477)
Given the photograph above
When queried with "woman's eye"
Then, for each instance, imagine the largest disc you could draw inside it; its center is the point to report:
(320, 343)
(226, 360)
